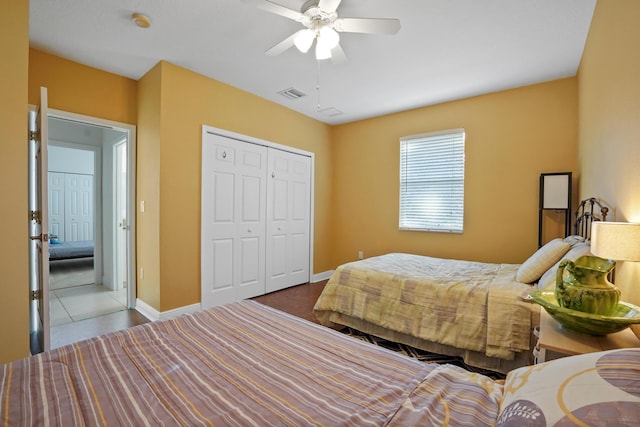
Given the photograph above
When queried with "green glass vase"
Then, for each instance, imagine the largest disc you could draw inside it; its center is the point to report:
(583, 285)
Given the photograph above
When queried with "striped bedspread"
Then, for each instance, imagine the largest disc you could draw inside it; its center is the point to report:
(243, 364)
(462, 304)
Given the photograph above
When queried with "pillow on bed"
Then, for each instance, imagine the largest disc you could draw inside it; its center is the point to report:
(596, 388)
(548, 279)
(542, 260)
(573, 239)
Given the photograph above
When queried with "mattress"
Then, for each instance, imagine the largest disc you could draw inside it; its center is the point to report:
(70, 250)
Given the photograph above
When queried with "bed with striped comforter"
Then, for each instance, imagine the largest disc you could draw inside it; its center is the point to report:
(242, 364)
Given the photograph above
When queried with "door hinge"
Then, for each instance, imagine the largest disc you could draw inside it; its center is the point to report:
(34, 216)
(34, 135)
(36, 295)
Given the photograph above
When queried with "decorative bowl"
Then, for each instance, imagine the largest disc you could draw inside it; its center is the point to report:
(623, 316)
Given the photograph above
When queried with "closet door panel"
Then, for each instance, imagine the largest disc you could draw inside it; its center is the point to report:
(252, 221)
(218, 224)
(288, 219)
(221, 255)
(300, 202)
(56, 205)
(233, 220)
(78, 200)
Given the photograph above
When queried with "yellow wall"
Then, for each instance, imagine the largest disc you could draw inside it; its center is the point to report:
(148, 187)
(188, 101)
(609, 111)
(511, 138)
(14, 255)
(80, 89)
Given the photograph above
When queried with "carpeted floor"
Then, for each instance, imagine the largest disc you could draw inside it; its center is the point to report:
(421, 355)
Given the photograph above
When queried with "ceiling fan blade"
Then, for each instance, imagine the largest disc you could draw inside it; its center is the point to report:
(367, 25)
(329, 5)
(283, 45)
(276, 8)
(337, 55)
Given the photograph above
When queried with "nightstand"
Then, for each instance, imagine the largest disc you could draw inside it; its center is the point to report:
(554, 338)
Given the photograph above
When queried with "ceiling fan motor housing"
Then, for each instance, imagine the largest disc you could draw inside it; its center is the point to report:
(313, 17)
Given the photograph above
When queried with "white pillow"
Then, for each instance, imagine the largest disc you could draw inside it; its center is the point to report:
(596, 389)
(548, 279)
(542, 260)
(574, 239)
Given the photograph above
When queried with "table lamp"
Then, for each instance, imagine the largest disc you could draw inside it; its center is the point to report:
(618, 241)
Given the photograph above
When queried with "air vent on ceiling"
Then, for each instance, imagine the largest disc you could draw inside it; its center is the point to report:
(292, 93)
(330, 112)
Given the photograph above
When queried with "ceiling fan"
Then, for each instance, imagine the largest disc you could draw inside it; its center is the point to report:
(322, 25)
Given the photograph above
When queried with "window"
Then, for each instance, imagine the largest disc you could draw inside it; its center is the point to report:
(432, 181)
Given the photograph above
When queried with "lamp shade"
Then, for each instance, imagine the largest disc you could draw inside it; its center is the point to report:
(618, 241)
(555, 190)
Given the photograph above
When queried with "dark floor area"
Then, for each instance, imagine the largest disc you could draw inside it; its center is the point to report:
(297, 300)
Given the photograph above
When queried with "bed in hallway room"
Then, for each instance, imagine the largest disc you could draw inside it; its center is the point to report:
(249, 364)
(474, 310)
(70, 250)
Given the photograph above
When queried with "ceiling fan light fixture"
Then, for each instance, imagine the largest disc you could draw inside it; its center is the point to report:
(322, 51)
(304, 40)
(328, 36)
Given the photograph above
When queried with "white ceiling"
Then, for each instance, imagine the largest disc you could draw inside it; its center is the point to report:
(445, 50)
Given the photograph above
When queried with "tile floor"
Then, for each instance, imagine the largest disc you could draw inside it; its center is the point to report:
(83, 302)
(73, 296)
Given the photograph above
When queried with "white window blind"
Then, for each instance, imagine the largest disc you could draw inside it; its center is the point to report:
(432, 181)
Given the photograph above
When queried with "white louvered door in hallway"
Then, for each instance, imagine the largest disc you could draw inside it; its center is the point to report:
(255, 219)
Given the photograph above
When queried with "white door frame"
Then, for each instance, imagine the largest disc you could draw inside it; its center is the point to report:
(131, 187)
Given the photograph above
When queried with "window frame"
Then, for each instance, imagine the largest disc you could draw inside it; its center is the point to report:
(456, 181)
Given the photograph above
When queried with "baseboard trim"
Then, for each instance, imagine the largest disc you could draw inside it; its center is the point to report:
(321, 276)
(152, 314)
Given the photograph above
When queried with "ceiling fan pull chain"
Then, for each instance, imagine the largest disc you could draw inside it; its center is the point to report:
(318, 83)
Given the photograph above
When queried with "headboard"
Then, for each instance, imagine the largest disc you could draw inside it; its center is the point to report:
(584, 216)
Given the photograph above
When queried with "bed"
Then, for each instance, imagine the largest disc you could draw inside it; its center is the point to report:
(247, 364)
(478, 311)
(70, 250)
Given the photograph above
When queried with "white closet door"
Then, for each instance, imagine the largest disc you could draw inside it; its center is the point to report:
(78, 201)
(56, 205)
(233, 220)
(288, 219)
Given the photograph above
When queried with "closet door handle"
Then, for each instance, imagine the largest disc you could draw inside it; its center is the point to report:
(273, 174)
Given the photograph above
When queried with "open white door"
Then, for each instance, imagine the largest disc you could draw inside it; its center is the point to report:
(120, 215)
(39, 227)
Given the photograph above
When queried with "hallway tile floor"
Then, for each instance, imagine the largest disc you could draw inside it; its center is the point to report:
(83, 302)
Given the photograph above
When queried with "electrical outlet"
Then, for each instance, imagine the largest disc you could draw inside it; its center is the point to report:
(360, 255)
(141, 273)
